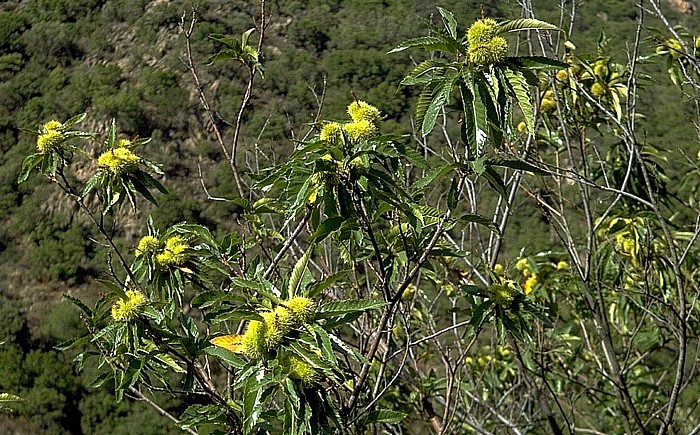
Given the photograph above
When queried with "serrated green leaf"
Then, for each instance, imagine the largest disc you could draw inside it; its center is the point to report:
(424, 42)
(298, 272)
(424, 99)
(112, 287)
(475, 218)
(448, 19)
(226, 356)
(28, 164)
(315, 289)
(425, 72)
(326, 228)
(517, 164)
(524, 24)
(431, 176)
(495, 181)
(519, 87)
(441, 98)
(386, 416)
(535, 63)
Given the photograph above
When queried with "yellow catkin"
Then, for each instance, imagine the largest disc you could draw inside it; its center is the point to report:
(361, 111)
(147, 245)
(331, 132)
(361, 130)
(49, 141)
(127, 309)
(253, 341)
(300, 370)
(118, 161)
(485, 47)
(174, 252)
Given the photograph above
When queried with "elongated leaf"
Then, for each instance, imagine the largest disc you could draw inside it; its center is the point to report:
(518, 85)
(424, 42)
(431, 176)
(316, 289)
(535, 62)
(475, 218)
(246, 35)
(75, 120)
(525, 24)
(298, 272)
(78, 303)
(264, 289)
(448, 19)
(114, 288)
(233, 54)
(349, 306)
(386, 416)
(28, 164)
(91, 183)
(517, 164)
(230, 313)
(495, 180)
(326, 228)
(424, 99)
(425, 72)
(468, 127)
(207, 299)
(226, 356)
(441, 98)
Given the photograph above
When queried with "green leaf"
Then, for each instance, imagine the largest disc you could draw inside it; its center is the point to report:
(517, 164)
(298, 272)
(452, 194)
(246, 35)
(207, 299)
(424, 99)
(495, 180)
(475, 218)
(225, 314)
(91, 183)
(114, 288)
(425, 72)
(535, 62)
(386, 416)
(431, 176)
(226, 356)
(28, 164)
(519, 87)
(524, 24)
(348, 306)
(448, 19)
(78, 303)
(75, 120)
(424, 42)
(316, 289)
(441, 98)
(326, 228)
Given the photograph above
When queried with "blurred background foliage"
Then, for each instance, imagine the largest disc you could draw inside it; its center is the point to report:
(122, 59)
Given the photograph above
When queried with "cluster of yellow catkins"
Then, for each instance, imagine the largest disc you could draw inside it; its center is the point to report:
(530, 278)
(119, 160)
(485, 46)
(51, 137)
(364, 126)
(173, 254)
(127, 309)
(261, 337)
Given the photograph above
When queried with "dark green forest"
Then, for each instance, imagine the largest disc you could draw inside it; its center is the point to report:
(126, 59)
